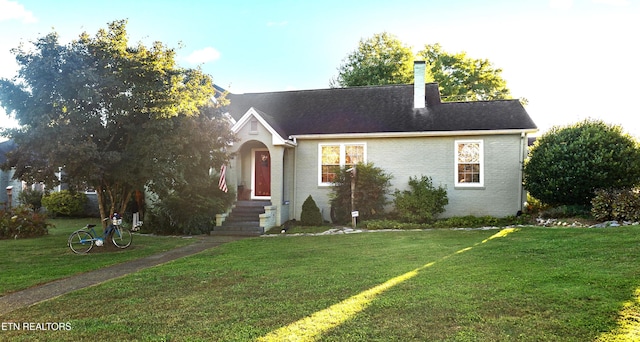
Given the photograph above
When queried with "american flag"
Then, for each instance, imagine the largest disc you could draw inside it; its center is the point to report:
(222, 183)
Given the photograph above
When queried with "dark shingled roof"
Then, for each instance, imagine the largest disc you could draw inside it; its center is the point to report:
(377, 109)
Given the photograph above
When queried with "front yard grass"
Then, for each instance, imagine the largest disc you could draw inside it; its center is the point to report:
(526, 284)
(28, 262)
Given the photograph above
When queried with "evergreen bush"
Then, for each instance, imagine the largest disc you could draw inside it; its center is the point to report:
(567, 164)
(310, 215)
(191, 210)
(32, 199)
(422, 202)
(371, 188)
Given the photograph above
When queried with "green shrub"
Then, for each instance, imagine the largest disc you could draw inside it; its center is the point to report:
(372, 187)
(451, 222)
(469, 222)
(618, 204)
(567, 164)
(534, 205)
(482, 221)
(602, 205)
(422, 202)
(627, 206)
(190, 211)
(22, 222)
(65, 203)
(310, 215)
(391, 224)
(32, 199)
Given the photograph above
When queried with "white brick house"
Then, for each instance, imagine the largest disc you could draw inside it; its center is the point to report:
(292, 142)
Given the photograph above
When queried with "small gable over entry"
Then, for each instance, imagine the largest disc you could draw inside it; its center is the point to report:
(261, 170)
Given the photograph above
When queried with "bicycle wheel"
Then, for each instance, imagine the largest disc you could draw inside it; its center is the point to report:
(81, 242)
(121, 237)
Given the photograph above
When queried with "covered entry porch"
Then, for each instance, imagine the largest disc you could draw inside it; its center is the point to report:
(262, 171)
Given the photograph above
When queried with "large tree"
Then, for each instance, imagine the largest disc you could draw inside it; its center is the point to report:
(567, 164)
(112, 116)
(461, 77)
(383, 59)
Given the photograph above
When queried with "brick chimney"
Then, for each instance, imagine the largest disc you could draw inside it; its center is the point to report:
(419, 84)
(433, 94)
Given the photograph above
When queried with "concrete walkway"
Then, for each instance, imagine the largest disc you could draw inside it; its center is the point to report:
(40, 293)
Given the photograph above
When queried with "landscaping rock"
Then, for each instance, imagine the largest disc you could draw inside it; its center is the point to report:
(606, 224)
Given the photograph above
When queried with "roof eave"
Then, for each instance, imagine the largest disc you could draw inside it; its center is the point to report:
(413, 134)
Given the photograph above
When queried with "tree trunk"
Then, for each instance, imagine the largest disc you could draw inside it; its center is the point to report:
(101, 208)
(118, 197)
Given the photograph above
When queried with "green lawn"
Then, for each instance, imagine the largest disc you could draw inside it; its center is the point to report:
(28, 262)
(529, 284)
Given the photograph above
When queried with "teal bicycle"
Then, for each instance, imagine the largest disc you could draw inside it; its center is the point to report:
(82, 241)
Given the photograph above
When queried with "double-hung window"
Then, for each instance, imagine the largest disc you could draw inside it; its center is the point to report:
(469, 169)
(335, 156)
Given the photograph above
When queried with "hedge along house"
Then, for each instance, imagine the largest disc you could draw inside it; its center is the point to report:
(292, 143)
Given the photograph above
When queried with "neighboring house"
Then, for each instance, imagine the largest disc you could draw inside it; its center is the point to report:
(292, 143)
(6, 177)
(17, 186)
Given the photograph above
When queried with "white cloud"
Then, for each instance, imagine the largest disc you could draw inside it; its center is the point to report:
(12, 10)
(561, 4)
(205, 55)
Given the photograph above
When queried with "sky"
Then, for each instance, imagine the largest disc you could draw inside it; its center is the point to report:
(571, 59)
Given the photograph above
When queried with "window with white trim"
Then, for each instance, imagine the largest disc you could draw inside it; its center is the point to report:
(469, 163)
(335, 156)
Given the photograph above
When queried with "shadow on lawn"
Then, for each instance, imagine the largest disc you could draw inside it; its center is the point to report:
(311, 327)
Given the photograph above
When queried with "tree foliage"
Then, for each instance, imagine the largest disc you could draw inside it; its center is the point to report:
(191, 209)
(383, 59)
(567, 164)
(189, 197)
(115, 117)
(463, 78)
(371, 188)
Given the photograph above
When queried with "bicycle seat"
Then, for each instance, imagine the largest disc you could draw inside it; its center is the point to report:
(91, 225)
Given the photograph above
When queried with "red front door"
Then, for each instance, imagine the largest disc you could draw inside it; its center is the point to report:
(262, 174)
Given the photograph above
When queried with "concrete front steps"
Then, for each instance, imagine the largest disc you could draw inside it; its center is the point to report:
(244, 220)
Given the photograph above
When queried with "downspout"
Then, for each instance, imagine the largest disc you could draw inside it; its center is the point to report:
(295, 172)
(523, 140)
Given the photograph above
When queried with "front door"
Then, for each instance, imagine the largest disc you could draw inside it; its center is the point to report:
(261, 174)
